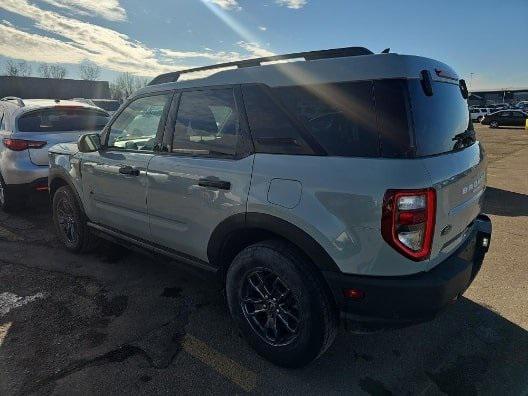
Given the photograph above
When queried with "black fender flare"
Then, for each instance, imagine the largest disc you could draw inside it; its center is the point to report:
(259, 221)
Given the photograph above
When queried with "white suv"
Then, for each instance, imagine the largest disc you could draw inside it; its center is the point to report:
(478, 113)
(27, 129)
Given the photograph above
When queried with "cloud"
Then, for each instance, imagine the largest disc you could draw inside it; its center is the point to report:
(263, 28)
(61, 39)
(106, 47)
(107, 9)
(227, 4)
(255, 49)
(18, 44)
(295, 4)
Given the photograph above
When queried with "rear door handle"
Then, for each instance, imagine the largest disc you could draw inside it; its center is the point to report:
(220, 184)
(128, 170)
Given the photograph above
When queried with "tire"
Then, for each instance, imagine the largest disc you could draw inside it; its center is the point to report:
(70, 222)
(293, 290)
(9, 201)
(494, 124)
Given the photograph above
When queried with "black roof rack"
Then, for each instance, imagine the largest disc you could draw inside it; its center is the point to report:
(308, 56)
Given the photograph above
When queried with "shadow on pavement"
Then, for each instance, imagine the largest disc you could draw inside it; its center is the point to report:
(505, 203)
(85, 337)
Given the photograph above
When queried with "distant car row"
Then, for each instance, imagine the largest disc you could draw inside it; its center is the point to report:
(497, 118)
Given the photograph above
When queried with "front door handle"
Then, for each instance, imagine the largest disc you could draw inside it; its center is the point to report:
(128, 170)
(214, 183)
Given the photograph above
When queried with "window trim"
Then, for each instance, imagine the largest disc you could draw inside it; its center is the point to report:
(105, 133)
(244, 145)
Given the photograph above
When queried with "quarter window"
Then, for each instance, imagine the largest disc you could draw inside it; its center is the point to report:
(207, 124)
(273, 132)
(137, 125)
(339, 116)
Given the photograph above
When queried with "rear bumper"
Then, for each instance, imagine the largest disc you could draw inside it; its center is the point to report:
(415, 298)
(25, 189)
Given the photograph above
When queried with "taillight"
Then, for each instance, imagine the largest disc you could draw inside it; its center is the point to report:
(21, 144)
(408, 221)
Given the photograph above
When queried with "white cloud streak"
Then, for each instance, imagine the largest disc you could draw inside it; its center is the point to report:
(295, 4)
(107, 9)
(227, 4)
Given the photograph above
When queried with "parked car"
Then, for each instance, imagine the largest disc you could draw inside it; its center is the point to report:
(505, 118)
(478, 113)
(109, 105)
(27, 129)
(307, 187)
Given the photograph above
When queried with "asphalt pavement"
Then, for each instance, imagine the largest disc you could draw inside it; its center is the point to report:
(119, 322)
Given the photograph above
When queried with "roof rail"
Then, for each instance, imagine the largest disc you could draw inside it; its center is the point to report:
(308, 56)
(19, 101)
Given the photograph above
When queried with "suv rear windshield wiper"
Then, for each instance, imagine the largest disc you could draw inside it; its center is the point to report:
(464, 139)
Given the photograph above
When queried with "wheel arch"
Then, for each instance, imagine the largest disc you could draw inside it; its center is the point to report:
(241, 230)
(58, 180)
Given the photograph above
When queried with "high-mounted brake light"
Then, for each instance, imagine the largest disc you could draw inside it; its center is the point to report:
(408, 221)
(21, 144)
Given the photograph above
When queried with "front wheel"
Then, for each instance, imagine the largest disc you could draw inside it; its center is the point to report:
(70, 222)
(280, 304)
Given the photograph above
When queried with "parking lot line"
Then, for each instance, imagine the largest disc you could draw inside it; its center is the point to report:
(9, 235)
(4, 329)
(244, 378)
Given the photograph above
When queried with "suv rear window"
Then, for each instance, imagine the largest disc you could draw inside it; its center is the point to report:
(62, 120)
(439, 118)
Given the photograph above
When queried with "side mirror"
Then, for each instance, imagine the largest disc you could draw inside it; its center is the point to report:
(89, 143)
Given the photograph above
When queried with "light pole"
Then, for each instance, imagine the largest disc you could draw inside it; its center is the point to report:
(471, 80)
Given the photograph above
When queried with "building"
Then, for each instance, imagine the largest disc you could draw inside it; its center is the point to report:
(51, 88)
(483, 98)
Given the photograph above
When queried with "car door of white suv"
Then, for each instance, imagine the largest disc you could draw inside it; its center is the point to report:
(205, 176)
(115, 177)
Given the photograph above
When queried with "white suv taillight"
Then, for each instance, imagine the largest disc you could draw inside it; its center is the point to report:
(408, 221)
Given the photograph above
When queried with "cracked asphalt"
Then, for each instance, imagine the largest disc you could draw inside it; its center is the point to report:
(118, 322)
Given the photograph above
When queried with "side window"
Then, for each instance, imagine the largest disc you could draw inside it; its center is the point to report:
(341, 117)
(272, 130)
(207, 124)
(505, 114)
(137, 125)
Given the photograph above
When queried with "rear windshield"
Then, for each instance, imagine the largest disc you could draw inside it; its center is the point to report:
(62, 120)
(440, 120)
(108, 105)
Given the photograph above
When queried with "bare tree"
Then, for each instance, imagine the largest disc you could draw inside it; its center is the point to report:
(125, 84)
(47, 70)
(44, 70)
(21, 68)
(57, 71)
(89, 71)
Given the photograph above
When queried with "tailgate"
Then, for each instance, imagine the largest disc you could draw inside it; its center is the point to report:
(459, 179)
(40, 156)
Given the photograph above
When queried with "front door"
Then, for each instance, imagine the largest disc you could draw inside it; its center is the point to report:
(115, 178)
(205, 177)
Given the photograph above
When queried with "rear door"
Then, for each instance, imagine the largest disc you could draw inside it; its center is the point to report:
(519, 118)
(115, 178)
(205, 176)
(60, 124)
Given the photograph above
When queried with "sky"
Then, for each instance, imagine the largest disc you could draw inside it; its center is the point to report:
(485, 41)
